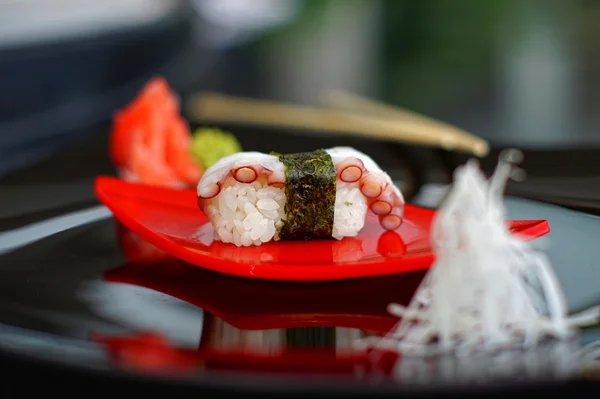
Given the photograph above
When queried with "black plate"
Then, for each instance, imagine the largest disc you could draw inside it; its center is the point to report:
(55, 294)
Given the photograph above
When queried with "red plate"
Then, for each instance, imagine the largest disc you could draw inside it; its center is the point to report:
(351, 303)
(171, 220)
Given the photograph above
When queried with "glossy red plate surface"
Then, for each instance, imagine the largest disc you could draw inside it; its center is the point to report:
(351, 303)
(171, 220)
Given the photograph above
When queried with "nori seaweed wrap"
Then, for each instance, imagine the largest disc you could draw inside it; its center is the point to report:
(310, 190)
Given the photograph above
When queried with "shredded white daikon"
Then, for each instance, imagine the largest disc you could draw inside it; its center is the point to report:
(488, 288)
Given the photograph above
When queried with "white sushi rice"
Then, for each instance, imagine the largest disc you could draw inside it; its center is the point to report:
(252, 213)
(247, 214)
(350, 210)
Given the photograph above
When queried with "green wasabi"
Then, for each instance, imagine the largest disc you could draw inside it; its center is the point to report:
(209, 145)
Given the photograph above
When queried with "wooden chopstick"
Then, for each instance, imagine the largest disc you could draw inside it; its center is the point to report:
(350, 102)
(218, 108)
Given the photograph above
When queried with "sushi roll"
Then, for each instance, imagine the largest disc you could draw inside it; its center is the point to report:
(252, 198)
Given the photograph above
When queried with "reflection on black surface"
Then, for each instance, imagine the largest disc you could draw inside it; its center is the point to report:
(551, 361)
(252, 325)
(112, 291)
(262, 304)
(41, 283)
(56, 286)
(262, 316)
(255, 324)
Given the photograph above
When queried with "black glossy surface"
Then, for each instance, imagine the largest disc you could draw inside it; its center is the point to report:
(53, 295)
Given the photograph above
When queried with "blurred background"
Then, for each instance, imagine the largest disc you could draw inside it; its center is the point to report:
(516, 72)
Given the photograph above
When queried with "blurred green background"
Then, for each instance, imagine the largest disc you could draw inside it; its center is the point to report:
(519, 72)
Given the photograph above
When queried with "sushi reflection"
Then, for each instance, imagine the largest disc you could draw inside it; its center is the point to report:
(220, 335)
